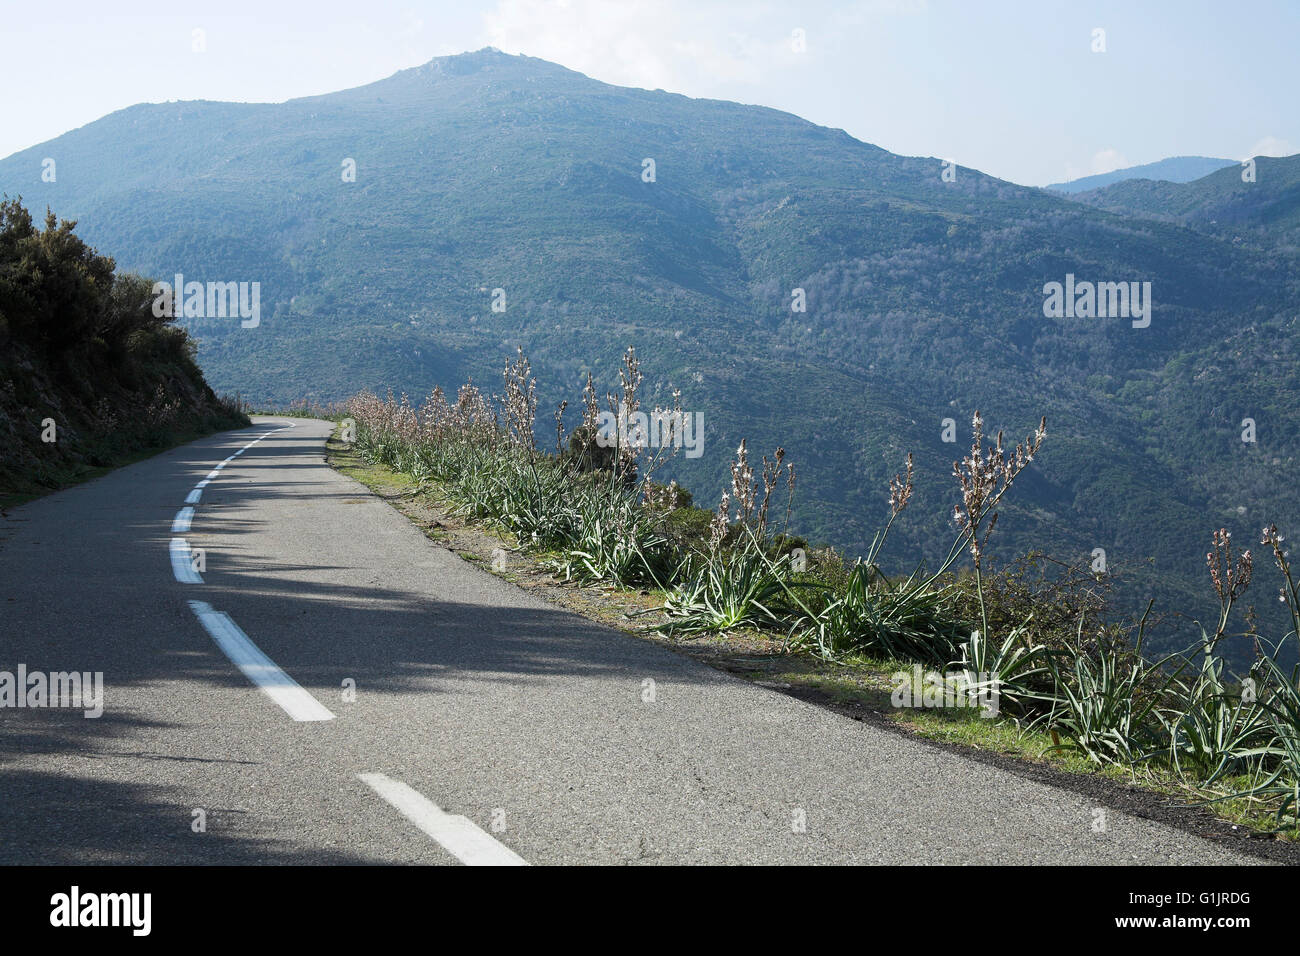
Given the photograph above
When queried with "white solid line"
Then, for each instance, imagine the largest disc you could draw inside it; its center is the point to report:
(193, 497)
(458, 835)
(257, 667)
(182, 564)
(181, 523)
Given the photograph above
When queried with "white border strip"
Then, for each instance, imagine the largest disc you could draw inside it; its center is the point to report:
(458, 835)
(257, 667)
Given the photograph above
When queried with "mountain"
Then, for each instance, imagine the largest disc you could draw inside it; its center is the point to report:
(1175, 169)
(1258, 206)
(925, 297)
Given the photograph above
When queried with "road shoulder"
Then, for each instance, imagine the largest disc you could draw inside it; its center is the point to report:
(862, 696)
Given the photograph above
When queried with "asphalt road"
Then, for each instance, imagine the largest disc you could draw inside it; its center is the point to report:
(486, 726)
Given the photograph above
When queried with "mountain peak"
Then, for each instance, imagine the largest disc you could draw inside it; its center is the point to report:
(487, 60)
(480, 57)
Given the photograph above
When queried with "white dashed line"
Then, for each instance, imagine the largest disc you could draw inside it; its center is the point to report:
(243, 653)
(181, 523)
(257, 667)
(458, 835)
(182, 568)
(182, 564)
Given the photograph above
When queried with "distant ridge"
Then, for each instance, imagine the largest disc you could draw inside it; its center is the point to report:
(1175, 169)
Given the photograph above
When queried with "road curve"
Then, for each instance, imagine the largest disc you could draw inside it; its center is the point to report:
(486, 726)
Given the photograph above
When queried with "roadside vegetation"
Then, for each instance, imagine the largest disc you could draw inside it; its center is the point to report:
(1025, 653)
(90, 378)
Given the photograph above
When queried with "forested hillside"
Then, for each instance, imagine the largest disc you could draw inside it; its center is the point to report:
(383, 223)
(1255, 204)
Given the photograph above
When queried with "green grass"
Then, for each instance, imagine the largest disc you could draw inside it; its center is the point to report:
(1078, 705)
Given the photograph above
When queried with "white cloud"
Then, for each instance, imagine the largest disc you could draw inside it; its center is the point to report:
(1272, 146)
(676, 45)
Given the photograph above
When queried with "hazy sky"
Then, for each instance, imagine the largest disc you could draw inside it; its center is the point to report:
(1011, 88)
